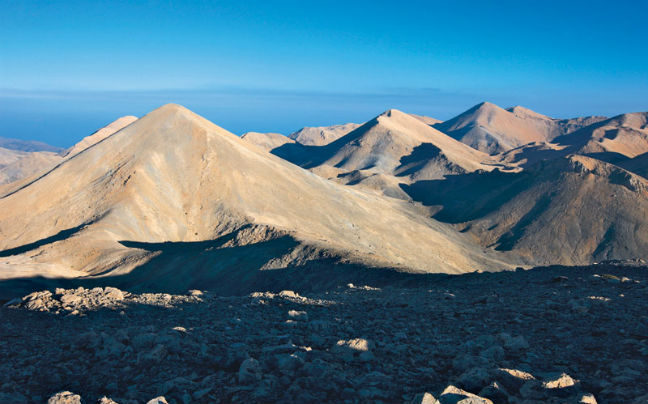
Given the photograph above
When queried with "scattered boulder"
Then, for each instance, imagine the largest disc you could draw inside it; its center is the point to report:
(424, 398)
(474, 379)
(298, 315)
(587, 399)
(65, 397)
(558, 381)
(513, 379)
(288, 294)
(106, 400)
(495, 393)
(455, 395)
(157, 400)
(359, 348)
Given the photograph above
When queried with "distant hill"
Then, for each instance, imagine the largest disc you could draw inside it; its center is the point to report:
(491, 129)
(27, 145)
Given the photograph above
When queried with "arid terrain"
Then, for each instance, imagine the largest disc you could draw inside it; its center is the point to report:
(560, 335)
(499, 256)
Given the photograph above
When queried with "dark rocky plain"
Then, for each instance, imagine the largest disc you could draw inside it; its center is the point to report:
(556, 335)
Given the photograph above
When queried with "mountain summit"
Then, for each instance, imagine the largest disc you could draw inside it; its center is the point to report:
(173, 179)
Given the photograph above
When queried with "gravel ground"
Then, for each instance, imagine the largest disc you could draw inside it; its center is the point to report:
(546, 335)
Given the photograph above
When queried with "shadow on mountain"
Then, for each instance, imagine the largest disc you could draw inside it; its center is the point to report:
(312, 156)
(467, 197)
(507, 241)
(416, 160)
(62, 235)
(175, 267)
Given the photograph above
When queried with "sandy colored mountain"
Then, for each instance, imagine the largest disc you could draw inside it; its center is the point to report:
(266, 141)
(428, 120)
(173, 183)
(25, 167)
(571, 211)
(100, 135)
(321, 135)
(491, 129)
(391, 149)
(615, 139)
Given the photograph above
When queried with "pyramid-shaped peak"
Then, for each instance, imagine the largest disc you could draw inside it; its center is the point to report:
(393, 112)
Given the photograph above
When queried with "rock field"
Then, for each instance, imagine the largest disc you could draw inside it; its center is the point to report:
(558, 335)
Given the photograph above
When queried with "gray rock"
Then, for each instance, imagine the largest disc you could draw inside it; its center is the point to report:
(495, 393)
(512, 379)
(475, 379)
(249, 372)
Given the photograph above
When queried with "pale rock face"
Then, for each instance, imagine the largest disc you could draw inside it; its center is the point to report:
(65, 397)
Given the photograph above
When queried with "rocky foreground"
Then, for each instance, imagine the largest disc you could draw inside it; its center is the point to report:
(577, 335)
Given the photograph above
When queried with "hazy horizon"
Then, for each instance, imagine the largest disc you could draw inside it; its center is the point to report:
(67, 68)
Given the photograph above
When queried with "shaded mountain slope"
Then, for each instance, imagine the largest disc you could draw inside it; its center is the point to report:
(569, 211)
(613, 140)
(392, 148)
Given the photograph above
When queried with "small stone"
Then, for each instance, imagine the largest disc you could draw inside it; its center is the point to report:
(114, 293)
(249, 372)
(424, 398)
(288, 364)
(513, 379)
(298, 315)
(195, 293)
(559, 381)
(157, 354)
(495, 393)
(355, 344)
(106, 400)
(587, 399)
(70, 300)
(455, 395)
(65, 397)
(158, 400)
(474, 379)
(288, 294)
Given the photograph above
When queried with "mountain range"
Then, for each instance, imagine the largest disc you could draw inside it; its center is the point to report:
(172, 201)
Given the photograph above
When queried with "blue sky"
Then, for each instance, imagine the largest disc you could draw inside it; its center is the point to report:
(67, 68)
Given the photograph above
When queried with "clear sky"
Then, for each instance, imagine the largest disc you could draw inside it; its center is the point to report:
(68, 67)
